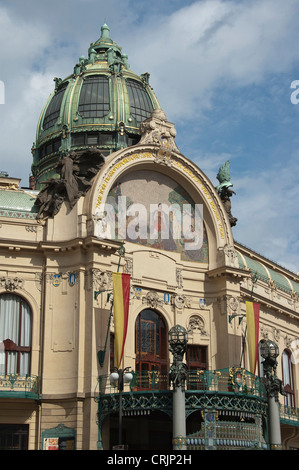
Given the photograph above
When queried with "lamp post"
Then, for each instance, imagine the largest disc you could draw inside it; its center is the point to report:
(119, 377)
(177, 338)
(269, 352)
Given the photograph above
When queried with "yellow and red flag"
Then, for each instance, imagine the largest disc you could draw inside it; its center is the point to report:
(121, 297)
(253, 318)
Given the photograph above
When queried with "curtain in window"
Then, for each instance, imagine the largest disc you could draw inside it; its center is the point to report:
(15, 325)
(287, 378)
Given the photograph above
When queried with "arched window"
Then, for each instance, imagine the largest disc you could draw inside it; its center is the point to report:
(15, 335)
(151, 344)
(288, 382)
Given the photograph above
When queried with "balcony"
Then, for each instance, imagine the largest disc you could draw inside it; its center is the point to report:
(16, 386)
(226, 390)
(289, 415)
(234, 398)
(227, 381)
(231, 401)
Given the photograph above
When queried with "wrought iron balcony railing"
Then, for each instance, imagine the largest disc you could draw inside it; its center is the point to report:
(230, 380)
(14, 385)
(289, 415)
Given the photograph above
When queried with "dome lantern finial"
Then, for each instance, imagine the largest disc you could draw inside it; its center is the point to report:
(105, 31)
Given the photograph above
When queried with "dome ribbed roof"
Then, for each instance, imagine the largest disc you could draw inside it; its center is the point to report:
(100, 105)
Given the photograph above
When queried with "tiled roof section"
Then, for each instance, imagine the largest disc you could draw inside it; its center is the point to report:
(257, 268)
(18, 203)
(280, 280)
(265, 273)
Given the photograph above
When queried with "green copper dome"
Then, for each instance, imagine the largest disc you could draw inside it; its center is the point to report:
(100, 105)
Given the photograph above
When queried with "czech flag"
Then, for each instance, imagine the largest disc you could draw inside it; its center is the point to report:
(121, 297)
(252, 316)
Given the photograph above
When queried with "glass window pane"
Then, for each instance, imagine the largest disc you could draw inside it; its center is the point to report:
(9, 317)
(15, 335)
(94, 99)
(140, 102)
(53, 110)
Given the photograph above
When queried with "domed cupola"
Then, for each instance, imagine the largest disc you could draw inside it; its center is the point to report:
(101, 105)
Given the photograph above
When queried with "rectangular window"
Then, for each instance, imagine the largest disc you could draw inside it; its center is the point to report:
(14, 436)
(15, 335)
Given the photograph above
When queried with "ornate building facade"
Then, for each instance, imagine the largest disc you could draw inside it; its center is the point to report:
(108, 182)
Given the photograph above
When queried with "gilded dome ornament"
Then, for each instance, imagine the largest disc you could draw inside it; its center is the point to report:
(85, 111)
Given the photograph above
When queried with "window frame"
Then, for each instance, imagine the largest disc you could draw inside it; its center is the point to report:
(53, 110)
(94, 98)
(141, 105)
(289, 398)
(10, 346)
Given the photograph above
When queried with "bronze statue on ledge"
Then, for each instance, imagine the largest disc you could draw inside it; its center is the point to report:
(224, 190)
(76, 172)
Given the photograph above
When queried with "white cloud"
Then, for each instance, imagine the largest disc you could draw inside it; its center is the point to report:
(196, 50)
(266, 205)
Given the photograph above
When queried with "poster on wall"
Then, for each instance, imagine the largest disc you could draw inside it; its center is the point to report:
(59, 443)
(51, 443)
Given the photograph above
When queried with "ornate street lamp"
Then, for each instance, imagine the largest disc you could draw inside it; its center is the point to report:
(269, 352)
(119, 377)
(178, 338)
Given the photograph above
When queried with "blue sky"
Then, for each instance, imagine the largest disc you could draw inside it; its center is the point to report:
(221, 69)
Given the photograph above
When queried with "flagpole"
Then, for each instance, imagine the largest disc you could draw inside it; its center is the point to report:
(101, 353)
(254, 280)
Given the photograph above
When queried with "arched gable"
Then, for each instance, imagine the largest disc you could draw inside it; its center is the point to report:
(162, 165)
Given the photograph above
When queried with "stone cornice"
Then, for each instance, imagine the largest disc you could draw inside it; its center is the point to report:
(268, 303)
(228, 271)
(61, 246)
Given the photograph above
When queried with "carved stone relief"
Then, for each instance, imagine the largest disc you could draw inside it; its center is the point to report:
(179, 301)
(276, 333)
(234, 305)
(179, 278)
(128, 268)
(196, 324)
(158, 131)
(264, 332)
(230, 256)
(101, 280)
(98, 280)
(11, 284)
(229, 305)
(152, 299)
